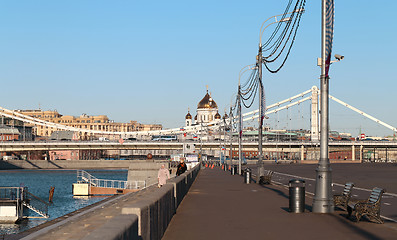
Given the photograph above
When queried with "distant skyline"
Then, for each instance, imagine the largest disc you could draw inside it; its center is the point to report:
(151, 61)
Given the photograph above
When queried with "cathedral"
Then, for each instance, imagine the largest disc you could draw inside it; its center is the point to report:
(207, 111)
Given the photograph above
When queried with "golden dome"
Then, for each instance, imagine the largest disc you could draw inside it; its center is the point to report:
(188, 116)
(217, 116)
(207, 102)
(226, 116)
(195, 118)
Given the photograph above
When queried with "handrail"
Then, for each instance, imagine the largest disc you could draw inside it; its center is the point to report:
(36, 204)
(83, 176)
(28, 199)
(13, 193)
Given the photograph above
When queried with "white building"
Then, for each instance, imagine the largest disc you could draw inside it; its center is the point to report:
(207, 111)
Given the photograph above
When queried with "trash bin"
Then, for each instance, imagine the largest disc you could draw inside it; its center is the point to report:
(296, 195)
(247, 176)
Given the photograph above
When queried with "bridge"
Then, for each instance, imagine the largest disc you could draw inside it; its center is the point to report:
(201, 129)
(228, 141)
(279, 151)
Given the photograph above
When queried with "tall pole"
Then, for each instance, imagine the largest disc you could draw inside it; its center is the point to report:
(224, 139)
(201, 142)
(231, 137)
(260, 153)
(240, 132)
(323, 199)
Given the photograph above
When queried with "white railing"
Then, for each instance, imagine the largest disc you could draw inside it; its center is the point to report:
(83, 176)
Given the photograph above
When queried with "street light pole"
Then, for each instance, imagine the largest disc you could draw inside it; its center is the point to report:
(224, 139)
(240, 119)
(323, 199)
(240, 131)
(259, 60)
(260, 137)
(231, 136)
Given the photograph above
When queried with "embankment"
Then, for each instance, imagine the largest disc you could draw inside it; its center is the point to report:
(67, 164)
(142, 215)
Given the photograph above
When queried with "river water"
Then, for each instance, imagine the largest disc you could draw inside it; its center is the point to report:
(39, 183)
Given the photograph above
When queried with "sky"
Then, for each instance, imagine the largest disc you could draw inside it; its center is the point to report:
(150, 61)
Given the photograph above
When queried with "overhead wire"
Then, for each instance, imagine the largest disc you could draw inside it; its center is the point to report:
(280, 40)
(296, 16)
(283, 35)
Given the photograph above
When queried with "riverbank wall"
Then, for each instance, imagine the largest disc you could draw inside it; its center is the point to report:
(141, 215)
(69, 164)
(117, 164)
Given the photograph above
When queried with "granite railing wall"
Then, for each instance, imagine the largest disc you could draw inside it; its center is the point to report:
(148, 216)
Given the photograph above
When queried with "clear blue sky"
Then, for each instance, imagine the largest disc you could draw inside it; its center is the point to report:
(151, 60)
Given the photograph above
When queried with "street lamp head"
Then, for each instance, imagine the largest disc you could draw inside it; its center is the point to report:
(287, 19)
(339, 57)
(300, 10)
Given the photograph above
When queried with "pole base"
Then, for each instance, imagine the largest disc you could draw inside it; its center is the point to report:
(323, 206)
(323, 201)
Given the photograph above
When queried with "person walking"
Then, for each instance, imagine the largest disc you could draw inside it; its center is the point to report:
(181, 168)
(163, 175)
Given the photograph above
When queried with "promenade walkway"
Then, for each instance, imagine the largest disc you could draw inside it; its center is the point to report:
(221, 206)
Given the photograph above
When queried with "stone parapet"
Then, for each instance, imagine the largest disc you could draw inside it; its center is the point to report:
(145, 214)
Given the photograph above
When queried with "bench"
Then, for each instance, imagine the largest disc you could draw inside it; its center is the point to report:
(342, 199)
(369, 208)
(267, 178)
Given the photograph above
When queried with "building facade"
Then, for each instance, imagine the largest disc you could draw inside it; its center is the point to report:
(24, 132)
(97, 123)
(9, 134)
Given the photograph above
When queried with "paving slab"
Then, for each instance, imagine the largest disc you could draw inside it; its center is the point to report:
(222, 206)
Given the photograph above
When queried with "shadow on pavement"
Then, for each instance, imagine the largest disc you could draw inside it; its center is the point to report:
(354, 226)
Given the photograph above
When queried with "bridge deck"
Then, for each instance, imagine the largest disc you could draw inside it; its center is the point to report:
(221, 206)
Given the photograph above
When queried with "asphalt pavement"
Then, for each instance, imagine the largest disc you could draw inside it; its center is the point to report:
(221, 206)
(365, 176)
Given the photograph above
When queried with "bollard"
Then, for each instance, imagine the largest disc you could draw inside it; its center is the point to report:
(296, 195)
(247, 176)
(234, 170)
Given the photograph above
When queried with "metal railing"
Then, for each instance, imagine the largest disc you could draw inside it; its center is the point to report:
(36, 204)
(13, 193)
(83, 176)
(21, 195)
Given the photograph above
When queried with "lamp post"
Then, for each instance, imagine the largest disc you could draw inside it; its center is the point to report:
(240, 130)
(231, 135)
(259, 59)
(240, 119)
(323, 199)
(224, 138)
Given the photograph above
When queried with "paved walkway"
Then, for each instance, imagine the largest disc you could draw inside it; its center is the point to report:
(221, 206)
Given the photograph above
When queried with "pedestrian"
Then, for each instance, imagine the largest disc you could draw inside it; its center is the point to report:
(163, 175)
(181, 168)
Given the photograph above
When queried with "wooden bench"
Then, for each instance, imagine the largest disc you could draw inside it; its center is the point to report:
(369, 208)
(267, 178)
(342, 199)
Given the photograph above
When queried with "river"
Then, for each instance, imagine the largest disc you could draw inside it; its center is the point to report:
(39, 183)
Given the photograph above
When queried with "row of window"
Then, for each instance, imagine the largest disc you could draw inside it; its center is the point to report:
(6, 138)
(82, 121)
